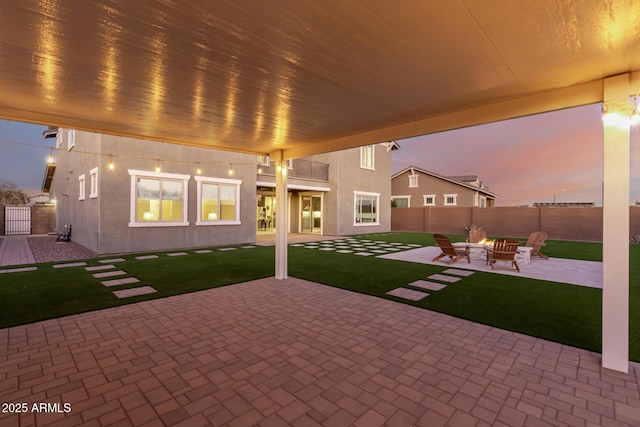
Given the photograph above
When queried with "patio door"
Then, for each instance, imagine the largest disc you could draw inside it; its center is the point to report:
(311, 213)
(266, 214)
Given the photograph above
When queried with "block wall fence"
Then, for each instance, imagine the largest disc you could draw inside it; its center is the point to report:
(579, 224)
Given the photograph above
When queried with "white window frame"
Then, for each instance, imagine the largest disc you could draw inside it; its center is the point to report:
(71, 139)
(483, 202)
(59, 137)
(135, 174)
(364, 157)
(403, 197)
(455, 200)
(425, 197)
(355, 204)
(93, 183)
(263, 160)
(81, 187)
(413, 181)
(210, 180)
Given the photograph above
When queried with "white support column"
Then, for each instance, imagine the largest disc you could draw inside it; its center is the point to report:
(615, 241)
(281, 218)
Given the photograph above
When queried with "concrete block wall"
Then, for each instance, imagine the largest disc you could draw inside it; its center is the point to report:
(43, 219)
(579, 224)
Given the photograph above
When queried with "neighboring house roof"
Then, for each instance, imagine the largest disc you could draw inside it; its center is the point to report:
(36, 197)
(465, 178)
(454, 180)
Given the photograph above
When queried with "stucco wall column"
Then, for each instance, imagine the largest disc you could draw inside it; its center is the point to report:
(281, 218)
(615, 241)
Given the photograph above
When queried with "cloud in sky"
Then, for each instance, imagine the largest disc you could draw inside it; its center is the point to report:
(525, 160)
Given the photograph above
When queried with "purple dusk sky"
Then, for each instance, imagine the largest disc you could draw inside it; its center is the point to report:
(23, 164)
(523, 160)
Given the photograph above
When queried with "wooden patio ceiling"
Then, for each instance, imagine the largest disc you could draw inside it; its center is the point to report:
(305, 76)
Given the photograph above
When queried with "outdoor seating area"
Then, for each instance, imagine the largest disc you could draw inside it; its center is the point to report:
(478, 248)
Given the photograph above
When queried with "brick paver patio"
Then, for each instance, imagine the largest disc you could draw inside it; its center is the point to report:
(291, 352)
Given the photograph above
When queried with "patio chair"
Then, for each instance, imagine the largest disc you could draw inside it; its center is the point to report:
(476, 235)
(504, 250)
(536, 241)
(449, 250)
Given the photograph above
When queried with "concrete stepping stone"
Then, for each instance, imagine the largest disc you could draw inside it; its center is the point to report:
(203, 251)
(443, 278)
(99, 267)
(126, 293)
(298, 244)
(344, 251)
(248, 247)
(109, 274)
(327, 249)
(379, 251)
(227, 249)
(457, 272)
(116, 282)
(364, 253)
(70, 264)
(425, 284)
(107, 261)
(18, 270)
(409, 294)
(178, 254)
(147, 257)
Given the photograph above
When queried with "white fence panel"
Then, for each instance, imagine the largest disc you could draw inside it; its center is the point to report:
(17, 220)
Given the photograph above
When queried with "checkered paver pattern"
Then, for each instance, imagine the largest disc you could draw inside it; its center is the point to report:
(363, 247)
(291, 352)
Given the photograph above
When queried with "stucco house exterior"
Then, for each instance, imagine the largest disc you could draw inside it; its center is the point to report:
(130, 195)
(413, 187)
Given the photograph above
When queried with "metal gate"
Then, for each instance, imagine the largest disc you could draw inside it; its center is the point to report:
(17, 220)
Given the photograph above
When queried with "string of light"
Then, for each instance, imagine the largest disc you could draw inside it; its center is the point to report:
(111, 164)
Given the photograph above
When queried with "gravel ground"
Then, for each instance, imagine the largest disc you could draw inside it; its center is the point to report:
(46, 249)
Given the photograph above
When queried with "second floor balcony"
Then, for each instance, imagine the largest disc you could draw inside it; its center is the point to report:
(299, 168)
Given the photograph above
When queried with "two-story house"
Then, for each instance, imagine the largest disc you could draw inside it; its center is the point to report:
(413, 187)
(129, 195)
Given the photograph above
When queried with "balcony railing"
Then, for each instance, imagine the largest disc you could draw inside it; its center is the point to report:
(300, 168)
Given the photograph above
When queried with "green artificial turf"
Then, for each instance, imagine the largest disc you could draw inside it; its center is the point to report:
(558, 312)
(49, 292)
